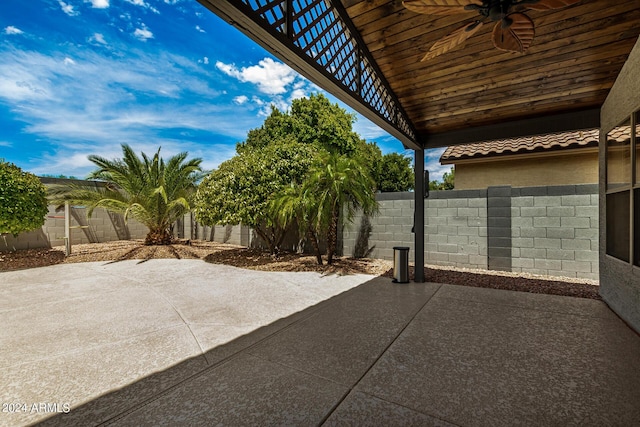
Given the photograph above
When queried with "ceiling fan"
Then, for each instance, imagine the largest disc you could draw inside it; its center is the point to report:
(513, 31)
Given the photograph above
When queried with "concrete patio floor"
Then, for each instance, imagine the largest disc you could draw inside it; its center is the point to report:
(171, 342)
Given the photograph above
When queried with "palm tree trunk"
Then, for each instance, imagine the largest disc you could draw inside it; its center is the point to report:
(279, 235)
(158, 236)
(332, 236)
(314, 242)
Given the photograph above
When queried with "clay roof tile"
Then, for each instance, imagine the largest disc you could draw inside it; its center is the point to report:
(538, 143)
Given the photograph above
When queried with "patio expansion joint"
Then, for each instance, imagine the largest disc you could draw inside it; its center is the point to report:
(57, 301)
(352, 387)
(177, 311)
(90, 348)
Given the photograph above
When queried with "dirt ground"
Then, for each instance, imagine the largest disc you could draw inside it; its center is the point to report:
(219, 253)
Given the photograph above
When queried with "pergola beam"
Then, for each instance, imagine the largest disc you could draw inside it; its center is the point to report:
(345, 68)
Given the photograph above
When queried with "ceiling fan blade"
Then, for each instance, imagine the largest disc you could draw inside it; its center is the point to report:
(439, 7)
(551, 4)
(517, 36)
(452, 40)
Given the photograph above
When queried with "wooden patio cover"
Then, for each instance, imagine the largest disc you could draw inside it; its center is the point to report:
(368, 52)
(472, 93)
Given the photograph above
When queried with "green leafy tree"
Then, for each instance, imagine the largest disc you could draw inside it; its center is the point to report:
(340, 184)
(274, 157)
(314, 120)
(448, 180)
(241, 189)
(276, 128)
(395, 173)
(371, 158)
(153, 191)
(23, 202)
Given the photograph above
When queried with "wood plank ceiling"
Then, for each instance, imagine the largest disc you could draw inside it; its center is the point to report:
(574, 60)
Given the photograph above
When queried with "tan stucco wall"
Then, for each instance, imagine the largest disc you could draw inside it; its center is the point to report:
(536, 171)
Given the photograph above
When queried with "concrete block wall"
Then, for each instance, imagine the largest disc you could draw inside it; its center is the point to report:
(189, 228)
(555, 230)
(104, 226)
(455, 228)
(542, 230)
(101, 227)
(390, 227)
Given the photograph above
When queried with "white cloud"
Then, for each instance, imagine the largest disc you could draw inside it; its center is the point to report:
(67, 8)
(69, 61)
(144, 4)
(297, 94)
(98, 4)
(51, 99)
(204, 61)
(240, 99)
(5, 144)
(271, 77)
(432, 163)
(367, 129)
(97, 38)
(12, 30)
(143, 33)
(200, 29)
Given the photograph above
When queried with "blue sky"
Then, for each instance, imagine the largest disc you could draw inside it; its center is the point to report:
(80, 77)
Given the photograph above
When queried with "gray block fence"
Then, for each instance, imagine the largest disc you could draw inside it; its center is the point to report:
(104, 226)
(542, 230)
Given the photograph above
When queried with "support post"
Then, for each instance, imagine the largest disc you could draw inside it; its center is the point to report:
(418, 215)
(67, 229)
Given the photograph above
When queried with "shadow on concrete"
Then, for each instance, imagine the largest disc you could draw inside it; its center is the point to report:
(410, 354)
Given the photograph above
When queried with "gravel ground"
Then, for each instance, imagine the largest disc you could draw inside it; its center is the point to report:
(253, 259)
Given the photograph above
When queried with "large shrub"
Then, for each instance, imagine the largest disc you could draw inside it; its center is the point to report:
(23, 201)
(241, 189)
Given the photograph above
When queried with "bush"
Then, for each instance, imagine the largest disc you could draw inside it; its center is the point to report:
(23, 200)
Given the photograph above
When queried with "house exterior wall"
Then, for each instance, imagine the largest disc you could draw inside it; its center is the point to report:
(565, 169)
(543, 230)
(619, 281)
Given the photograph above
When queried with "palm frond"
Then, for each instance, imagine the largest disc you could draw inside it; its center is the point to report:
(148, 189)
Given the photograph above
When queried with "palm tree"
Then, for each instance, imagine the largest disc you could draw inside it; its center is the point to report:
(148, 189)
(339, 184)
(296, 203)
